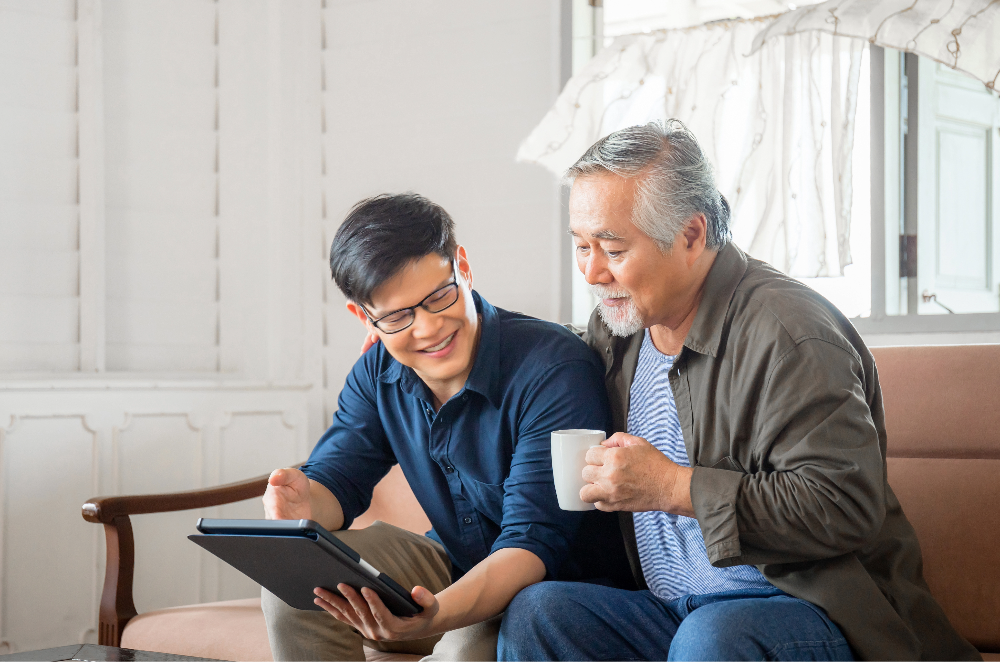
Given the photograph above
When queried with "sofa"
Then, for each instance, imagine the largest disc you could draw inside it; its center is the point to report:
(942, 408)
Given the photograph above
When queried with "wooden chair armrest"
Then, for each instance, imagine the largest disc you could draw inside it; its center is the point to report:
(117, 605)
(104, 510)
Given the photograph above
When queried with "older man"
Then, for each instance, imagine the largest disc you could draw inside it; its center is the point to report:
(749, 468)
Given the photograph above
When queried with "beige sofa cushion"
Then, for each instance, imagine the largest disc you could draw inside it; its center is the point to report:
(942, 417)
(232, 630)
(941, 401)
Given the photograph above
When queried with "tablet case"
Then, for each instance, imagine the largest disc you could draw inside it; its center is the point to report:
(291, 558)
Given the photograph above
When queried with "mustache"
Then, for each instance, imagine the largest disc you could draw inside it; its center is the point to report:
(605, 292)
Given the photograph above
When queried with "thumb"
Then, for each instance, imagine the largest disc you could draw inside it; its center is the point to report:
(617, 440)
(621, 440)
(281, 477)
(423, 597)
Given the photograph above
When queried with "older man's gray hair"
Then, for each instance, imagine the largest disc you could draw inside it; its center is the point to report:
(674, 180)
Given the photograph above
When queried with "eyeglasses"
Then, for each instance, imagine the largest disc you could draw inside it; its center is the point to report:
(437, 301)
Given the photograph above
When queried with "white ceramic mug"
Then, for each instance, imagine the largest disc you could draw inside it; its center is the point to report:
(569, 457)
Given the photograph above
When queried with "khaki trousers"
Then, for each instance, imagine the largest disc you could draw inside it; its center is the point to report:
(411, 560)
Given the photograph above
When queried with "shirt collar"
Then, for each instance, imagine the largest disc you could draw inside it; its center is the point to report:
(485, 375)
(720, 285)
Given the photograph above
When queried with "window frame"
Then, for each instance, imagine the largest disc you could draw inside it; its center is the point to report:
(883, 251)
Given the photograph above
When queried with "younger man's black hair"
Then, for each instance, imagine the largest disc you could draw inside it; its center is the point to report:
(381, 235)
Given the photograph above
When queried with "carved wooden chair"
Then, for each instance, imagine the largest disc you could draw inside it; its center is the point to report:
(231, 630)
(117, 606)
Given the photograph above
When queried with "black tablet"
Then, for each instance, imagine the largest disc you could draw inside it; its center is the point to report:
(292, 557)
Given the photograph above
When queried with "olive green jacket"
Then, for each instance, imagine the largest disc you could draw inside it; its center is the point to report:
(781, 411)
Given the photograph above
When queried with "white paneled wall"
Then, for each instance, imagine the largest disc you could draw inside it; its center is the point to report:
(171, 175)
(66, 441)
(161, 184)
(39, 212)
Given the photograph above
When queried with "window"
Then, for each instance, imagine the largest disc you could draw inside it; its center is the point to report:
(925, 228)
(935, 182)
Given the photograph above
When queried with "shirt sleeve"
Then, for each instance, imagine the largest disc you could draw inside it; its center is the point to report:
(821, 488)
(354, 454)
(570, 395)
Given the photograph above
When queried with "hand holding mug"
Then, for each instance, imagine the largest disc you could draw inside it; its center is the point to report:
(628, 473)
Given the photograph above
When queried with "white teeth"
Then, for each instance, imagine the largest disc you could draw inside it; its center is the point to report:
(444, 343)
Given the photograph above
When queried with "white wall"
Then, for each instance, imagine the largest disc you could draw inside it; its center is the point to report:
(435, 97)
(171, 324)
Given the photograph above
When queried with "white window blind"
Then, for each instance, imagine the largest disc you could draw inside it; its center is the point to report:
(161, 204)
(39, 186)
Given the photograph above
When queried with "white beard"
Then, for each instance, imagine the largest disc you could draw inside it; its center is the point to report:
(622, 320)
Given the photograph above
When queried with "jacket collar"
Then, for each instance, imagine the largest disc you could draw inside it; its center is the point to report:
(720, 285)
(485, 376)
(705, 335)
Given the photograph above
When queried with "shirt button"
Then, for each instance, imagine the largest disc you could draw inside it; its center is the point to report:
(608, 349)
(450, 469)
(430, 412)
(467, 520)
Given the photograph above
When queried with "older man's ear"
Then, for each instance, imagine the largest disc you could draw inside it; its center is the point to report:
(695, 235)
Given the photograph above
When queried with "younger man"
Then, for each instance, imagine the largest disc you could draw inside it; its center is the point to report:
(463, 396)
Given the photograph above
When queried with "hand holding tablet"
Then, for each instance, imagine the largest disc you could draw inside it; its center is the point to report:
(290, 558)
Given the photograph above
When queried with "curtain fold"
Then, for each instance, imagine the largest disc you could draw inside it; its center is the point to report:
(778, 126)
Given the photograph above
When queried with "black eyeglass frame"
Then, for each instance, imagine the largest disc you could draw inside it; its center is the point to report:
(413, 309)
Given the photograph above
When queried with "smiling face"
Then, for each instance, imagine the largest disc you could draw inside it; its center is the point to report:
(638, 285)
(440, 347)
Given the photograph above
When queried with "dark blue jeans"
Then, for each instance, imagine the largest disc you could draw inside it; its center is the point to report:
(570, 621)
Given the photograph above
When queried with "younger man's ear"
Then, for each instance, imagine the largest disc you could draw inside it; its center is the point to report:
(464, 268)
(372, 336)
(355, 309)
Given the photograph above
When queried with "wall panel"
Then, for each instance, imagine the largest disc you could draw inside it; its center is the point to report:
(161, 164)
(39, 189)
(49, 463)
(253, 443)
(156, 453)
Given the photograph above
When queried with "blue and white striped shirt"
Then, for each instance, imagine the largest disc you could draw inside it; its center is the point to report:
(671, 547)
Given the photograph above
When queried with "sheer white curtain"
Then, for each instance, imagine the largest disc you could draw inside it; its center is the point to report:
(778, 126)
(961, 34)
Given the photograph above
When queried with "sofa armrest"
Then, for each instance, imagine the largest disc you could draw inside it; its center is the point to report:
(117, 605)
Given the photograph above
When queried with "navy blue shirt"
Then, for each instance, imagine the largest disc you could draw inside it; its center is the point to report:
(480, 467)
